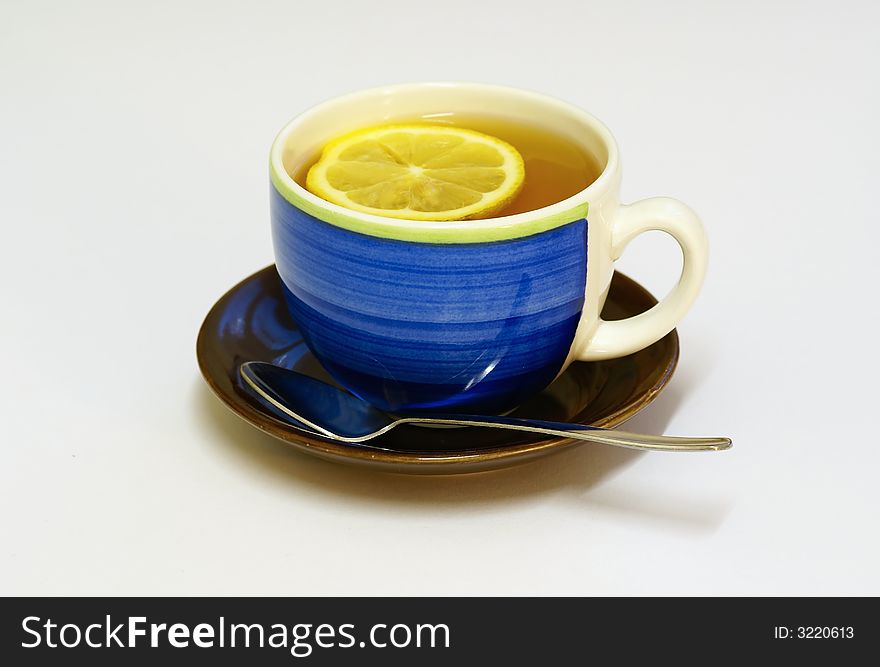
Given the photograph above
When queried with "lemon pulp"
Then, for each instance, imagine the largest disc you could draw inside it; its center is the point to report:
(418, 172)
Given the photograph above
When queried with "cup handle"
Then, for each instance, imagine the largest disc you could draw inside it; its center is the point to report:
(621, 337)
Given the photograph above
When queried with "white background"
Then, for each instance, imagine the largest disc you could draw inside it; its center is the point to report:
(134, 192)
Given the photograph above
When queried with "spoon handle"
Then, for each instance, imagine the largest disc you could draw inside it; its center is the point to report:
(613, 437)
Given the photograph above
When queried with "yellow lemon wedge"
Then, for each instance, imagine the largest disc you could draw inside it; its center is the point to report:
(418, 172)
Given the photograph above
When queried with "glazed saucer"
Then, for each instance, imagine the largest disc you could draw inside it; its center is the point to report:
(251, 322)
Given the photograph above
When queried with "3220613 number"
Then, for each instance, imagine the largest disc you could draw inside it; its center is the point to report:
(825, 632)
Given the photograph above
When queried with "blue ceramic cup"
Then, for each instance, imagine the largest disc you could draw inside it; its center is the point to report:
(464, 316)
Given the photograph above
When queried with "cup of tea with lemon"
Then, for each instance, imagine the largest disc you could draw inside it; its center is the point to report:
(447, 247)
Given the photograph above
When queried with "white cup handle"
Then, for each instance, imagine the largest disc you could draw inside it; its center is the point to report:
(621, 337)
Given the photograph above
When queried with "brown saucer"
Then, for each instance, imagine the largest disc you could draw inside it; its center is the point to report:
(251, 322)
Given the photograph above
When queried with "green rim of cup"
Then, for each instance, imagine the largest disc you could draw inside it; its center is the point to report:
(472, 231)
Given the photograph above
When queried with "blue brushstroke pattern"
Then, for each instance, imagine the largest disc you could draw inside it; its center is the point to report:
(475, 327)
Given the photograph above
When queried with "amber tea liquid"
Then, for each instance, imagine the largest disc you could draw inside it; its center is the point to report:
(555, 167)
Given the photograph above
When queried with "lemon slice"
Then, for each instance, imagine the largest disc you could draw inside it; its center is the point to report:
(418, 172)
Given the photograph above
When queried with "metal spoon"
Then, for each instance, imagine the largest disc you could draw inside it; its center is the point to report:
(316, 406)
